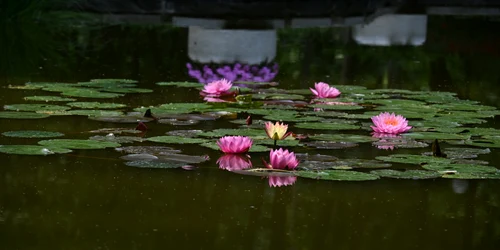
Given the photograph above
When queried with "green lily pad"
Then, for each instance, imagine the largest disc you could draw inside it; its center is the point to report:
(176, 139)
(106, 84)
(329, 144)
(181, 84)
(87, 112)
(434, 123)
(117, 139)
(280, 143)
(254, 133)
(116, 131)
(88, 93)
(473, 176)
(337, 175)
(435, 135)
(292, 118)
(485, 143)
(32, 134)
(336, 107)
(463, 106)
(406, 113)
(434, 97)
(78, 144)
(155, 164)
(105, 80)
(343, 138)
(35, 107)
(41, 85)
(95, 105)
(398, 102)
(277, 96)
(450, 168)
(153, 150)
(32, 150)
(408, 174)
(455, 117)
(413, 159)
(126, 90)
(327, 126)
(21, 115)
(49, 99)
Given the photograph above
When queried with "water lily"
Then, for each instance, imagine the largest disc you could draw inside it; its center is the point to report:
(235, 144)
(232, 162)
(282, 159)
(277, 131)
(390, 123)
(323, 90)
(279, 181)
(217, 88)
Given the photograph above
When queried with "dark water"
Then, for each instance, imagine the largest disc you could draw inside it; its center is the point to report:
(90, 200)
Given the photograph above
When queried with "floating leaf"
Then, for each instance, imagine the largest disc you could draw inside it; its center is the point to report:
(154, 150)
(78, 144)
(473, 176)
(105, 80)
(116, 131)
(126, 90)
(413, 159)
(21, 115)
(117, 139)
(485, 143)
(155, 164)
(327, 126)
(468, 169)
(434, 135)
(32, 150)
(336, 107)
(139, 157)
(408, 174)
(106, 84)
(35, 107)
(343, 138)
(329, 144)
(254, 133)
(88, 93)
(181, 84)
(277, 96)
(49, 99)
(463, 106)
(32, 134)
(176, 139)
(95, 105)
(337, 175)
(185, 133)
(85, 112)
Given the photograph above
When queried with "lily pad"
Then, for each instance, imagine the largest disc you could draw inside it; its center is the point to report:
(185, 133)
(106, 84)
(95, 105)
(32, 150)
(104, 80)
(327, 126)
(343, 137)
(336, 107)
(117, 139)
(176, 139)
(126, 90)
(49, 99)
(115, 131)
(254, 133)
(181, 84)
(21, 115)
(413, 159)
(435, 135)
(88, 93)
(32, 134)
(155, 164)
(337, 175)
(450, 169)
(35, 107)
(153, 150)
(408, 174)
(329, 144)
(78, 144)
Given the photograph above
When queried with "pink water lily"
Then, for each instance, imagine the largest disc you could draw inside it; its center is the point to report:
(390, 123)
(323, 90)
(282, 159)
(277, 131)
(235, 144)
(232, 162)
(217, 88)
(279, 181)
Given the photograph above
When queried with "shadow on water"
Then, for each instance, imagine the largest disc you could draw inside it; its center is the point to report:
(90, 200)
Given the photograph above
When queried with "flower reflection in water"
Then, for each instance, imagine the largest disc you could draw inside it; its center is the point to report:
(233, 162)
(386, 141)
(235, 72)
(279, 181)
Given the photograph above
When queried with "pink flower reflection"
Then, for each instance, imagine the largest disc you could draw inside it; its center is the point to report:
(386, 140)
(213, 99)
(232, 162)
(279, 181)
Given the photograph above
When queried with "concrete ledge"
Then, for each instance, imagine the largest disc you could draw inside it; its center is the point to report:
(463, 11)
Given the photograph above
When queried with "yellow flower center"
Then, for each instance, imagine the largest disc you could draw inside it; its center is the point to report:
(392, 122)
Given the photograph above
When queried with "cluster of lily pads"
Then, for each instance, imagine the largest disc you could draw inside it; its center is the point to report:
(322, 120)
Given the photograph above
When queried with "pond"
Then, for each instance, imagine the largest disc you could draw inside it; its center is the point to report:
(90, 176)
